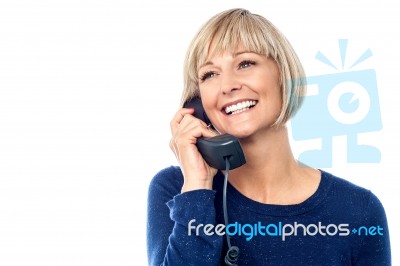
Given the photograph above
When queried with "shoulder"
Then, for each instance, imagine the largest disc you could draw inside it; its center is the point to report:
(359, 200)
(345, 188)
(167, 182)
(365, 215)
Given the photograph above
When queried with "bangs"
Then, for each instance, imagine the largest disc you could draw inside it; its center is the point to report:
(229, 33)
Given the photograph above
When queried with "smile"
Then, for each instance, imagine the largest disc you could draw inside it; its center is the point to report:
(239, 107)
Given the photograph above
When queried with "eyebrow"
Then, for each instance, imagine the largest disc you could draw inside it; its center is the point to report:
(233, 55)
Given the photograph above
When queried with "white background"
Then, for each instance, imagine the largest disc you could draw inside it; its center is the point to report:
(87, 90)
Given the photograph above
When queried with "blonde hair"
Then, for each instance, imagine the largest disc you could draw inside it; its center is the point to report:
(232, 27)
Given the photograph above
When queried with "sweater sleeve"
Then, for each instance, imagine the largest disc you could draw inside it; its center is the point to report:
(374, 248)
(172, 219)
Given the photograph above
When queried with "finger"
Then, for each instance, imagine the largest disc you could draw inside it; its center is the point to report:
(189, 131)
(209, 133)
(178, 117)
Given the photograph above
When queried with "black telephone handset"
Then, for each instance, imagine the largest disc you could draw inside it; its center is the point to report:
(214, 150)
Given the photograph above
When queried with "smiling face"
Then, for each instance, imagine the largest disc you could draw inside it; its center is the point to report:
(227, 78)
(240, 92)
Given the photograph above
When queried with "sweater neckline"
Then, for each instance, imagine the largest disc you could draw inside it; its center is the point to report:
(243, 203)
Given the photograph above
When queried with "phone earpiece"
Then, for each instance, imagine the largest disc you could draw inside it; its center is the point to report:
(198, 109)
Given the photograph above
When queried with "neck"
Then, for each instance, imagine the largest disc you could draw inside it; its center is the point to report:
(271, 174)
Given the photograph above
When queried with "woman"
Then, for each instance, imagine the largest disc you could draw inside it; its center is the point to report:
(281, 212)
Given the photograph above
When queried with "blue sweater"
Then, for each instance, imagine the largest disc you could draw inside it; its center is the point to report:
(340, 224)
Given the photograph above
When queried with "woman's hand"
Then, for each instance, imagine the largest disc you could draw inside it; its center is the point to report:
(185, 131)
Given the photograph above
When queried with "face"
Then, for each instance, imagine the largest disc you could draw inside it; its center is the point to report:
(240, 92)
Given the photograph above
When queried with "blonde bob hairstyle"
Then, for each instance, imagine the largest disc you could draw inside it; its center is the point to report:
(232, 27)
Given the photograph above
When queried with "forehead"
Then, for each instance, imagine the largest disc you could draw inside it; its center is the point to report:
(216, 49)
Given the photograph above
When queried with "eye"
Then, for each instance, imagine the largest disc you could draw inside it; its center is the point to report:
(207, 75)
(246, 64)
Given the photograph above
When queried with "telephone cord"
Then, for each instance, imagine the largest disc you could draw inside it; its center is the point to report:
(232, 254)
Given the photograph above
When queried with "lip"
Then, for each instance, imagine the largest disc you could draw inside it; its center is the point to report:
(236, 102)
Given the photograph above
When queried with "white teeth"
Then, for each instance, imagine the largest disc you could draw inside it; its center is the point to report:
(239, 111)
(239, 107)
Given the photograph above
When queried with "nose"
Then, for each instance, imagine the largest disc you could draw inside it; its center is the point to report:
(229, 82)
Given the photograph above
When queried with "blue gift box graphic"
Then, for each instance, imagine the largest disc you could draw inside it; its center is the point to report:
(345, 103)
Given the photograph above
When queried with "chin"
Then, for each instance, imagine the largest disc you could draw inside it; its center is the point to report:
(240, 134)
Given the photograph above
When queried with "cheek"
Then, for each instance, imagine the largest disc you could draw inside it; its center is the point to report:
(277, 96)
(273, 99)
(208, 95)
(277, 105)
(276, 99)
